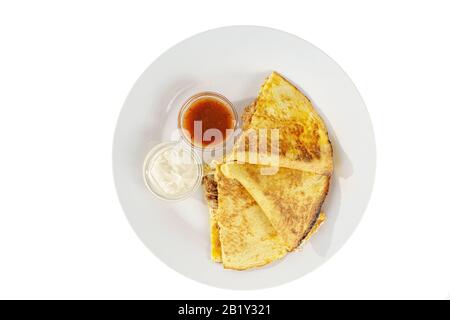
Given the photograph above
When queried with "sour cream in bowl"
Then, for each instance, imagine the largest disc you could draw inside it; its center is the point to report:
(172, 171)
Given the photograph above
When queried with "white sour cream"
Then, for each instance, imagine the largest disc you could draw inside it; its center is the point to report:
(173, 170)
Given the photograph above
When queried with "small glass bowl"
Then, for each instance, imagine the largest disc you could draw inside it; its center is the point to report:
(152, 185)
(187, 105)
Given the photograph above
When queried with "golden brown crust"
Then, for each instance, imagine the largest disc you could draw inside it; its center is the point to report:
(247, 115)
(319, 210)
(303, 142)
(289, 198)
(247, 238)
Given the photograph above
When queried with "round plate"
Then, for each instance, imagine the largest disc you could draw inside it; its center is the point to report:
(235, 61)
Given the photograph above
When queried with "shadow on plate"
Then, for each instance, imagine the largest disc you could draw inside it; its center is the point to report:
(343, 169)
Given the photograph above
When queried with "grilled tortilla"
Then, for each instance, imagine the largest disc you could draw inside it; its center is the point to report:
(303, 139)
(290, 199)
(247, 238)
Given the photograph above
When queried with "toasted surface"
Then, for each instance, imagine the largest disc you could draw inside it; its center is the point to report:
(247, 115)
(290, 199)
(211, 193)
(304, 143)
(247, 238)
(320, 220)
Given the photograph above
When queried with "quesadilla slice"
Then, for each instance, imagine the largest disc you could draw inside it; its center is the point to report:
(247, 237)
(290, 199)
(211, 195)
(300, 139)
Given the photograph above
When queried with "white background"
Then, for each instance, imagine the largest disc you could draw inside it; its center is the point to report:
(65, 70)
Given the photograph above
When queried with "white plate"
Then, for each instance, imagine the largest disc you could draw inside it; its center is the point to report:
(234, 61)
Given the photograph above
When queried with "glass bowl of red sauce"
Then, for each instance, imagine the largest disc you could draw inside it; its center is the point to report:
(207, 120)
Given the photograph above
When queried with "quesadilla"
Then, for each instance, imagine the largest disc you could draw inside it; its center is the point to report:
(265, 197)
(284, 113)
(290, 199)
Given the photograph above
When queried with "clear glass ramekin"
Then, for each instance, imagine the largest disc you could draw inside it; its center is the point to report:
(185, 107)
(151, 183)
